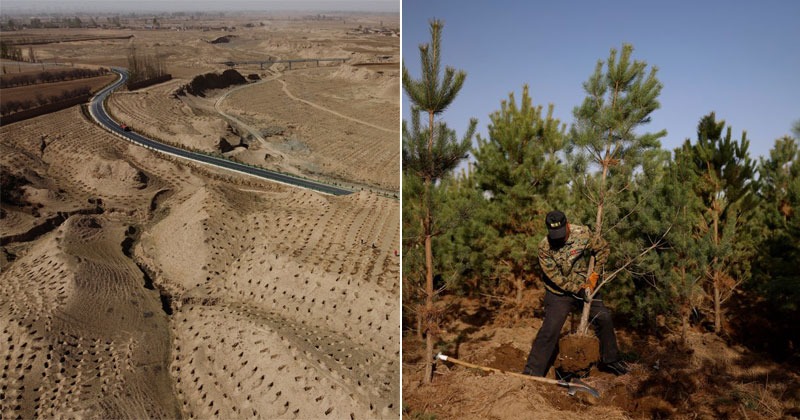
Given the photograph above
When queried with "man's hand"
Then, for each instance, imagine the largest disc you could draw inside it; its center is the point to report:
(591, 282)
(597, 244)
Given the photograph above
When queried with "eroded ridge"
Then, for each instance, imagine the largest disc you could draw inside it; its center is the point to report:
(81, 335)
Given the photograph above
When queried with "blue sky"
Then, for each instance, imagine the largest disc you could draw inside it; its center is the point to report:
(738, 58)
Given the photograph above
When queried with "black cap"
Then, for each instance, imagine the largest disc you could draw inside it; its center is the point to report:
(556, 223)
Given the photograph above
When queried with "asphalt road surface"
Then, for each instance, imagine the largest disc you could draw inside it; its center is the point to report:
(98, 110)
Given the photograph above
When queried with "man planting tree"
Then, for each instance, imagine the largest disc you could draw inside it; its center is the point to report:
(609, 148)
(564, 256)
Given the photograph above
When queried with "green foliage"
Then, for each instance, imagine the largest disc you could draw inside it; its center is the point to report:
(518, 169)
(430, 153)
(725, 184)
(410, 414)
(606, 147)
(433, 152)
(778, 273)
(724, 166)
(433, 93)
(666, 281)
(731, 222)
(607, 150)
(413, 256)
(454, 250)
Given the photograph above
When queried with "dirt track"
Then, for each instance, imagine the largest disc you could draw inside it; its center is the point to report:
(322, 108)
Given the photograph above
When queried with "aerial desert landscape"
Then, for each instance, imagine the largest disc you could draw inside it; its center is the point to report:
(135, 284)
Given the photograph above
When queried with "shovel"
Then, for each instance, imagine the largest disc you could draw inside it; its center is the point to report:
(573, 386)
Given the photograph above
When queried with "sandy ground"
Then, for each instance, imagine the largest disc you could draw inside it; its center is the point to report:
(703, 378)
(134, 286)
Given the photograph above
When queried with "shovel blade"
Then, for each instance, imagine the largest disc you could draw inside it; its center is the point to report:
(578, 386)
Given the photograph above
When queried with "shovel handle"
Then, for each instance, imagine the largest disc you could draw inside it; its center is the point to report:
(571, 386)
(446, 358)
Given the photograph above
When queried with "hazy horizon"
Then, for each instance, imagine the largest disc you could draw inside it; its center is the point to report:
(126, 6)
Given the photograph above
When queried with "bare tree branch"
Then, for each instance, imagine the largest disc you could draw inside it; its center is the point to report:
(611, 276)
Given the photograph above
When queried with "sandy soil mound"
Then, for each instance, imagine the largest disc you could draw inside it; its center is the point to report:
(110, 176)
(354, 73)
(90, 340)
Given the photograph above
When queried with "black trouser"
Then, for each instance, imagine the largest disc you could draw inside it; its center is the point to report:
(556, 309)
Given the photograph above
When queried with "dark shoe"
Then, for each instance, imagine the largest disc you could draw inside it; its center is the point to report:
(620, 367)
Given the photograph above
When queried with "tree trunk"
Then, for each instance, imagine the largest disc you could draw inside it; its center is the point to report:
(420, 325)
(717, 305)
(427, 231)
(715, 272)
(428, 299)
(519, 283)
(583, 327)
(686, 309)
(685, 324)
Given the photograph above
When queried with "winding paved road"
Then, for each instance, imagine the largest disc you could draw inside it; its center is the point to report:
(98, 111)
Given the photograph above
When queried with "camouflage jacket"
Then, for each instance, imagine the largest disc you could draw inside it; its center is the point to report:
(565, 268)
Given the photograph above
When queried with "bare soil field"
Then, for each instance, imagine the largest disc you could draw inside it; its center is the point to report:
(19, 67)
(355, 124)
(136, 286)
(704, 377)
(50, 89)
(335, 122)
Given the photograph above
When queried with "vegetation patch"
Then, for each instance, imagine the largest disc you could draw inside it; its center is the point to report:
(200, 84)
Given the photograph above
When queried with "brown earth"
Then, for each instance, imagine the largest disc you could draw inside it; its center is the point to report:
(50, 89)
(16, 67)
(702, 378)
(577, 352)
(352, 139)
(133, 285)
(354, 131)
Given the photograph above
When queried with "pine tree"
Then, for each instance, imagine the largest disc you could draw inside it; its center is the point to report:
(726, 186)
(778, 276)
(609, 150)
(519, 169)
(431, 152)
(667, 282)
(775, 286)
(413, 280)
(461, 203)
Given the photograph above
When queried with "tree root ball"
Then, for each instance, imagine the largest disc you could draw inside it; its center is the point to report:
(577, 352)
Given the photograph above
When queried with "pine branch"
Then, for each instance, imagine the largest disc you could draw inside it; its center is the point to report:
(611, 276)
